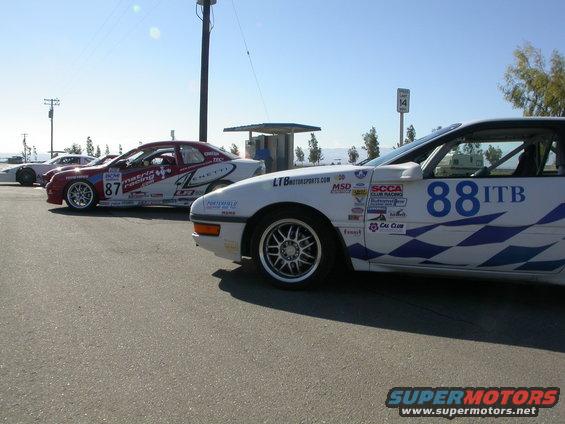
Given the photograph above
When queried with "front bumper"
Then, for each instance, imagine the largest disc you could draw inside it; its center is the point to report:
(54, 194)
(227, 245)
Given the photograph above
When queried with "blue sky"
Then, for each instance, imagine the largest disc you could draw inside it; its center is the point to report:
(331, 63)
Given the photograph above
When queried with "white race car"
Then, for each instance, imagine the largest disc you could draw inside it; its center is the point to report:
(430, 206)
(29, 173)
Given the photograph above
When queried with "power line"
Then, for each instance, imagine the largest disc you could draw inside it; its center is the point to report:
(250, 60)
(128, 33)
(75, 76)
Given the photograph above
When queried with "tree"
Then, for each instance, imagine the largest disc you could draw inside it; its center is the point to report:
(533, 88)
(98, 153)
(410, 134)
(222, 148)
(299, 154)
(34, 153)
(493, 154)
(353, 154)
(371, 141)
(107, 150)
(120, 149)
(89, 147)
(234, 149)
(314, 151)
(436, 129)
(75, 149)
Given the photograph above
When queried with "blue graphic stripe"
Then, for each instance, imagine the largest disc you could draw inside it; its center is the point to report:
(491, 234)
(555, 215)
(358, 251)
(418, 249)
(476, 220)
(542, 265)
(427, 262)
(95, 178)
(514, 255)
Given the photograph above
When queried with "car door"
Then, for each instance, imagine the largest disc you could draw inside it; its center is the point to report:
(149, 179)
(488, 201)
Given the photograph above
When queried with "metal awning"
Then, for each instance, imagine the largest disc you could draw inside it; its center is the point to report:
(274, 128)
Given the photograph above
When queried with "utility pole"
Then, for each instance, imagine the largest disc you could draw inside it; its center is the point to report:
(204, 60)
(25, 146)
(51, 103)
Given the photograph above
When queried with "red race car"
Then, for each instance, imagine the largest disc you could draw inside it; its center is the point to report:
(167, 173)
(99, 161)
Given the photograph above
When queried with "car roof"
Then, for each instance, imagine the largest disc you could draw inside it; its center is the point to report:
(527, 121)
(170, 142)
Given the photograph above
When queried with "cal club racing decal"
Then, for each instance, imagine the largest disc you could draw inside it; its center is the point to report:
(468, 197)
(205, 175)
(451, 402)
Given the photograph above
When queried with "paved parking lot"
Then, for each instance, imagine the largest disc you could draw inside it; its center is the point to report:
(115, 316)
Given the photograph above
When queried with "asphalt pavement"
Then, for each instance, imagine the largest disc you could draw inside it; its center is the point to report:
(116, 316)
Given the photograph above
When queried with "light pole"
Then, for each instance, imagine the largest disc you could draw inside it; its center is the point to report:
(204, 60)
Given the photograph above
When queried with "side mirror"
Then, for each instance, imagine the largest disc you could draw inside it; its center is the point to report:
(409, 171)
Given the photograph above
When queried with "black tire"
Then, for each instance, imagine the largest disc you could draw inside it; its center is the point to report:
(218, 184)
(26, 177)
(80, 195)
(308, 237)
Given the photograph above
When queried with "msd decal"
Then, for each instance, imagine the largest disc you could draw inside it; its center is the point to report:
(341, 188)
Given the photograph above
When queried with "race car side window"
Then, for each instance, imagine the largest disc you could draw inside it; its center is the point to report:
(190, 155)
(70, 160)
(518, 152)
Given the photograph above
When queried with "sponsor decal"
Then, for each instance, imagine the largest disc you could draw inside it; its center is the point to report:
(228, 213)
(451, 402)
(138, 180)
(220, 205)
(352, 232)
(73, 177)
(112, 176)
(137, 194)
(113, 170)
(162, 172)
(380, 203)
(362, 173)
(230, 246)
(357, 210)
(339, 177)
(396, 213)
(381, 215)
(355, 217)
(360, 185)
(188, 192)
(387, 190)
(341, 188)
(157, 195)
(288, 181)
(211, 153)
(387, 227)
(359, 192)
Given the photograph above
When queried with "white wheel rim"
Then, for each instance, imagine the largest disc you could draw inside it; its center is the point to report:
(290, 250)
(80, 195)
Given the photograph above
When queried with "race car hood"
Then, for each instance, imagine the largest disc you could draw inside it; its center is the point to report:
(86, 171)
(305, 186)
(13, 169)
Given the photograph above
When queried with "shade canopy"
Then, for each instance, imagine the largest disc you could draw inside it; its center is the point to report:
(274, 128)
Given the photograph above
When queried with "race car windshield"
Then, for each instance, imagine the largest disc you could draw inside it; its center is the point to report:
(403, 149)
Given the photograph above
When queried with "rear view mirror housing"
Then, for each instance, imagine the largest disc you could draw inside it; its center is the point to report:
(409, 171)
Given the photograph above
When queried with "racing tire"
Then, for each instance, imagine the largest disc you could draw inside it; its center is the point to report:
(218, 185)
(26, 177)
(80, 195)
(293, 248)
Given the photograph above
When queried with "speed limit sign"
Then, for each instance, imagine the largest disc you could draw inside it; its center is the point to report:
(403, 100)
